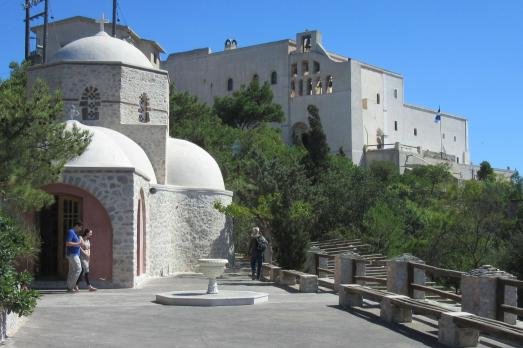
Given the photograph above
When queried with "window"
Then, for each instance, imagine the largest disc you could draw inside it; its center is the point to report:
(300, 87)
(377, 98)
(364, 103)
(274, 78)
(454, 138)
(306, 43)
(256, 78)
(309, 87)
(395, 125)
(316, 67)
(329, 84)
(230, 84)
(443, 135)
(294, 69)
(144, 109)
(293, 89)
(319, 88)
(457, 159)
(415, 132)
(396, 93)
(305, 67)
(89, 103)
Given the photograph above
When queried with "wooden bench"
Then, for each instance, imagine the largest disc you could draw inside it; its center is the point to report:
(307, 282)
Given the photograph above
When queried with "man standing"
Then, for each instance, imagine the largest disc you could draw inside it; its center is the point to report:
(257, 246)
(72, 252)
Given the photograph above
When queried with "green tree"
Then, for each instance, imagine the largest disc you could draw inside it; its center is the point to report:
(34, 147)
(315, 142)
(248, 107)
(485, 171)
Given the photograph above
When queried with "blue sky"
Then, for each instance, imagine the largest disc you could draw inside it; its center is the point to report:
(463, 55)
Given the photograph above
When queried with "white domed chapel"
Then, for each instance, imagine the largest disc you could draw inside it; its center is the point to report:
(148, 198)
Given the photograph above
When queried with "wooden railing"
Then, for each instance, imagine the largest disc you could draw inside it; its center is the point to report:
(434, 271)
(500, 291)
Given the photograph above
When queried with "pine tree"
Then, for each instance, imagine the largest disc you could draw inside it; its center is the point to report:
(249, 106)
(34, 147)
(315, 142)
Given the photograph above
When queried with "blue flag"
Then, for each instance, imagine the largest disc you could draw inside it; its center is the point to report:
(438, 116)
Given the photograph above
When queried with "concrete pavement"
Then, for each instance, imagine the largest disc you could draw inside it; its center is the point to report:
(131, 318)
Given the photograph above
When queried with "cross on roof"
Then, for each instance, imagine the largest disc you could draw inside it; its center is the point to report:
(102, 22)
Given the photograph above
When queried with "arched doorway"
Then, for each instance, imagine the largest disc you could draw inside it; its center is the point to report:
(140, 236)
(73, 203)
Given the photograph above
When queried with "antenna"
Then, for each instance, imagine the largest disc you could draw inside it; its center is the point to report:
(115, 4)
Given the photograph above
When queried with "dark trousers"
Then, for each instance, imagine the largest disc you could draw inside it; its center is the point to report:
(86, 276)
(256, 264)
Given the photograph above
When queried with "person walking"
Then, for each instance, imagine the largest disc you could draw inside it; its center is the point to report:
(72, 252)
(85, 257)
(257, 246)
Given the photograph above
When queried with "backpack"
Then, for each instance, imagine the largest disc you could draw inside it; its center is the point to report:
(262, 243)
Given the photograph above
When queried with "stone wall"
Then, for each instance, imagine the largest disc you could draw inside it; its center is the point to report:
(114, 190)
(185, 227)
(120, 87)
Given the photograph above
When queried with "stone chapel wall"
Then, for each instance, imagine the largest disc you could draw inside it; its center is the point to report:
(187, 227)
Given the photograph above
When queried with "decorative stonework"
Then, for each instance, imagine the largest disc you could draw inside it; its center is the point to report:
(89, 103)
(144, 108)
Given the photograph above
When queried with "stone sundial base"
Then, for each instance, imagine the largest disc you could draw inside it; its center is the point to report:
(201, 298)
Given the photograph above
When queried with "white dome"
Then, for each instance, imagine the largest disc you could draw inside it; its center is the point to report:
(101, 48)
(111, 149)
(189, 165)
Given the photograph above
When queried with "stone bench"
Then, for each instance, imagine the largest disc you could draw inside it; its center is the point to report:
(307, 282)
(271, 272)
(455, 329)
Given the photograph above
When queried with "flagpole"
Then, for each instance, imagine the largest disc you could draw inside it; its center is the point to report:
(440, 137)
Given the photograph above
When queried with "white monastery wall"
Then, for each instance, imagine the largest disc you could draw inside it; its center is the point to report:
(334, 107)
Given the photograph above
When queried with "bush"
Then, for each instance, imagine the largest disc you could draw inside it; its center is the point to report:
(15, 294)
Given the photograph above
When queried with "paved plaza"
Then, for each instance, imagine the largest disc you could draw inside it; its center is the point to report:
(131, 318)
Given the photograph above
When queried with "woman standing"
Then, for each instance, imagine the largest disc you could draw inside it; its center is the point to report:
(85, 256)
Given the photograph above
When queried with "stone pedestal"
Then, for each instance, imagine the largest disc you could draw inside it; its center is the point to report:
(276, 274)
(310, 263)
(287, 278)
(479, 291)
(453, 336)
(349, 300)
(347, 265)
(308, 283)
(398, 277)
(393, 314)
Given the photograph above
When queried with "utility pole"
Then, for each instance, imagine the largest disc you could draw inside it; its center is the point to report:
(28, 18)
(115, 3)
(27, 6)
(46, 20)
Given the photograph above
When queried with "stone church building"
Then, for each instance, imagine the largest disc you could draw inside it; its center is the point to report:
(147, 197)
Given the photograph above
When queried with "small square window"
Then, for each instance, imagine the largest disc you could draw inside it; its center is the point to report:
(454, 138)
(395, 125)
(396, 93)
(457, 159)
(377, 98)
(443, 135)
(415, 132)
